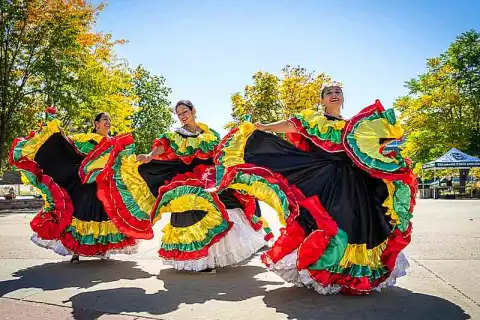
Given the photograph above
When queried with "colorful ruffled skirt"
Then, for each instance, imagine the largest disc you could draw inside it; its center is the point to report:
(345, 224)
(206, 229)
(73, 219)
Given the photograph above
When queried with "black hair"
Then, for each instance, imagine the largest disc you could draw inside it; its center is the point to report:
(186, 103)
(98, 117)
(322, 94)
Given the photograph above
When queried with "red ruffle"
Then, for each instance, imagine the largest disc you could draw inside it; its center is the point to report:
(112, 201)
(326, 145)
(290, 239)
(48, 225)
(405, 174)
(191, 179)
(169, 153)
(299, 141)
(269, 176)
(100, 148)
(73, 245)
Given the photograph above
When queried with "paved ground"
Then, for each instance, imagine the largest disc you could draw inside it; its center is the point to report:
(443, 281)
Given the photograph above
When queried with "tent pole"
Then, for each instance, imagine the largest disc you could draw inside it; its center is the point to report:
(434, 185)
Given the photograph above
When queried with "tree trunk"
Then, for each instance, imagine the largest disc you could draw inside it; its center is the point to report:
(3, 136)
(463, 179)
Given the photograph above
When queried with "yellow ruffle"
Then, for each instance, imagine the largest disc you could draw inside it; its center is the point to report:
(98, 163)
(85, 137)
(192, 142)
(368, 134)
(199, 230)
(94, 228)
(234, 152)
(25, 181)
(394, 220)
(264, 193)
(30, 149)
(359, 254)
(315, 118)
(135, 184)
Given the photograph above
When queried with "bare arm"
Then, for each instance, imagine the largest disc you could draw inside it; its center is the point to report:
(146, 158)
(283, 126)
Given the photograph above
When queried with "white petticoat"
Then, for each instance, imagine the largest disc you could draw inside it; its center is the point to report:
(59, 248)
(286, 268)
(240, 243)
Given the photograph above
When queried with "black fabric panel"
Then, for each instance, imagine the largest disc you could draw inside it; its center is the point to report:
(59, 160)
(352, 197)
(186, 218)
(156, 172)
(229, 200)
(258, 211)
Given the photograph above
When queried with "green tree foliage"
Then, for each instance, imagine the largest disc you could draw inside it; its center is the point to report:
(50, 55)
(153, 115)
(271, 98)
(442, 108)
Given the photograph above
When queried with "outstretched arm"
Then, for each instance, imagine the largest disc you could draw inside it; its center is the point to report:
(283, 126)
(146, 158)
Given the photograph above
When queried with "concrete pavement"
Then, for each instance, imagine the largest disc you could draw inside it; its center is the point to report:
(442, 283)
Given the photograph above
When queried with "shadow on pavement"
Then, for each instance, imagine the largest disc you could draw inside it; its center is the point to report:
(60, 275)
(237, 284)
(392, 304)
(229, 284)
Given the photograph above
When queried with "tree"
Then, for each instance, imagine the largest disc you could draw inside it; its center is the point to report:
(31, 32)
(153, 115)
(272, 98)
(50, 55)
(442, 109)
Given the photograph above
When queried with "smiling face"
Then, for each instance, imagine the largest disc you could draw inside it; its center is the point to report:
(332, 99)
(185, 115)
(102, 125)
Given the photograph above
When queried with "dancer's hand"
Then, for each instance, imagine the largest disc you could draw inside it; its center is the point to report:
(260, 126)
(144, 158)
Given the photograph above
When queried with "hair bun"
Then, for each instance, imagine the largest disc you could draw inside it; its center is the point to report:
(186, 103)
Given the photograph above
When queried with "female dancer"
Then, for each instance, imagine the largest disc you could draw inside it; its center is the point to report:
(206, 230)
(72, 221)
(346, 205)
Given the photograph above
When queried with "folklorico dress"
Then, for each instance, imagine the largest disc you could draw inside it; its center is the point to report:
(206, 230)
(346, 205)
(72, 220)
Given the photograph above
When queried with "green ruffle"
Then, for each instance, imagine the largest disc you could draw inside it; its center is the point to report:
(370, 162)
(333, 255)
(204, 146)
(32, 179)
(91, 240)
(220, 169)
(184, 190)
(334, 252)
(358, 271)
(17, 152)
(84, 147)
(126, 196)
(86, 168)
(331, 135)
(196, 245)
(401, 204)
(249, 179)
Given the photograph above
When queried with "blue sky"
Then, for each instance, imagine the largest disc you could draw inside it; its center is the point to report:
(208, 50)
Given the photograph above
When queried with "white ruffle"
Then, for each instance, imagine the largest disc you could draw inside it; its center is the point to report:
(286, 268)
(59, 248)
(401, 265)
(55, 245)
(240, 243)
